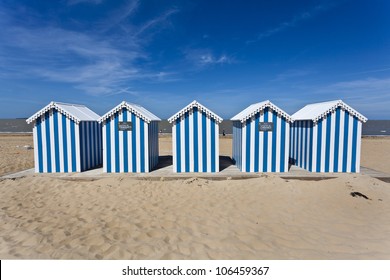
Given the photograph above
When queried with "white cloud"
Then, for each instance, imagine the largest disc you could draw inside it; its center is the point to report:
(205, 57)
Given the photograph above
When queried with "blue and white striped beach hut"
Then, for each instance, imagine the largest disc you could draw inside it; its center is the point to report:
(261, 138)
(195, 139)
(326, 137)
(67, 138)
(130, 139)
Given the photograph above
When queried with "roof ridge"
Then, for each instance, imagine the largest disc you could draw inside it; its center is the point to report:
(132, 107)
(201, 107)
(249, 112)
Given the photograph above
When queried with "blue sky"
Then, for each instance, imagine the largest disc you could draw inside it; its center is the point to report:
(164, 54)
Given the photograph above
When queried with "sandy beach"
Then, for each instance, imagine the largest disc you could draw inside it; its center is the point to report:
(125, 218)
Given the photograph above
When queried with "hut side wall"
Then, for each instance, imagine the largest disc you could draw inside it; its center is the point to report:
(153, 144)
(125, 151)
(56, 143)
(90, 144)
(195, 140)
(265, 151)
(237, 143)
(333, 144)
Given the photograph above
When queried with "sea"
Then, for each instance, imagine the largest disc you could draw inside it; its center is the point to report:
(370, 128)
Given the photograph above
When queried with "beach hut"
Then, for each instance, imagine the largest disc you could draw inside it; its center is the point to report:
(261, 138)
(67, 138)
(326, 137)
(130, 139)
(195, 139)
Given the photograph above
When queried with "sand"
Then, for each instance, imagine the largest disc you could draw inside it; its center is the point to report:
(262, 218)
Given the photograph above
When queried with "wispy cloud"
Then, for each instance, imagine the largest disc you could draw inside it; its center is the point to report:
(89, 61)
(290, 74)
(205, 57)
(294, 21)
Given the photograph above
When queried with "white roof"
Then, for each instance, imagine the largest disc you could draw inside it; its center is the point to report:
(136, 109)
(74, 112)
(317, 111)
(253, 109)
(200, 107)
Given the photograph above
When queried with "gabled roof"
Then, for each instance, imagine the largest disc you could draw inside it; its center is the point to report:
(74, 112)
(136, 109)
(318, 111)
(200, 107)
(253, 109)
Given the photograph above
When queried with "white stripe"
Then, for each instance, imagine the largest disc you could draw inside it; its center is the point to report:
(121, 155)
(261, 144)
(60, 141)
(129, 144)
(146, 145)
(303, 144)
(36, 157)
(44, 148)
(182, 144)
(52, 142)
(341, 141)
(69, 144)
(350, 136)
(314, 148)
(138, 144)
(174, 153)
(252, 146)
(298, 157)
(286, 147)
(243, 151)
(358, 146)
(77, 134)
(323, 145)
(296, 143)
(332, 135)
(208, 126)
(269, 155)
(278, 141)
(191, 140)
(200, 147)
(216, 146)
(308, 145)
(112, 142)
(104, 146)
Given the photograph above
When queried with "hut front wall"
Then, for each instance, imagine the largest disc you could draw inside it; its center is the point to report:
(333, 144)
(195, 139)
(90, 144)
(56, 143)
(265, 151)
(125, 151)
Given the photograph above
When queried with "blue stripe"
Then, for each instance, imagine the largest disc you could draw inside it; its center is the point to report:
(134, 142)
(56, 141)
(108, 144)
(187, 141)
(213, 153)
(307, 143)
(204, 141)
(301, 144)
(265, 143)
(319, 143)
(345, 151)
(248, 145)
(39, 136)
(48, 146)
(196, 149)
(354, 144)
(92, 148)
(327, 146)
(178, 147)
(283, 143)
(311, 147)
(142, 139)
(256, 167)
(116, 136)
(65, 143)
(125, 144)
(336, 141)
(73, 144)
(83, 144)
(274, 134)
